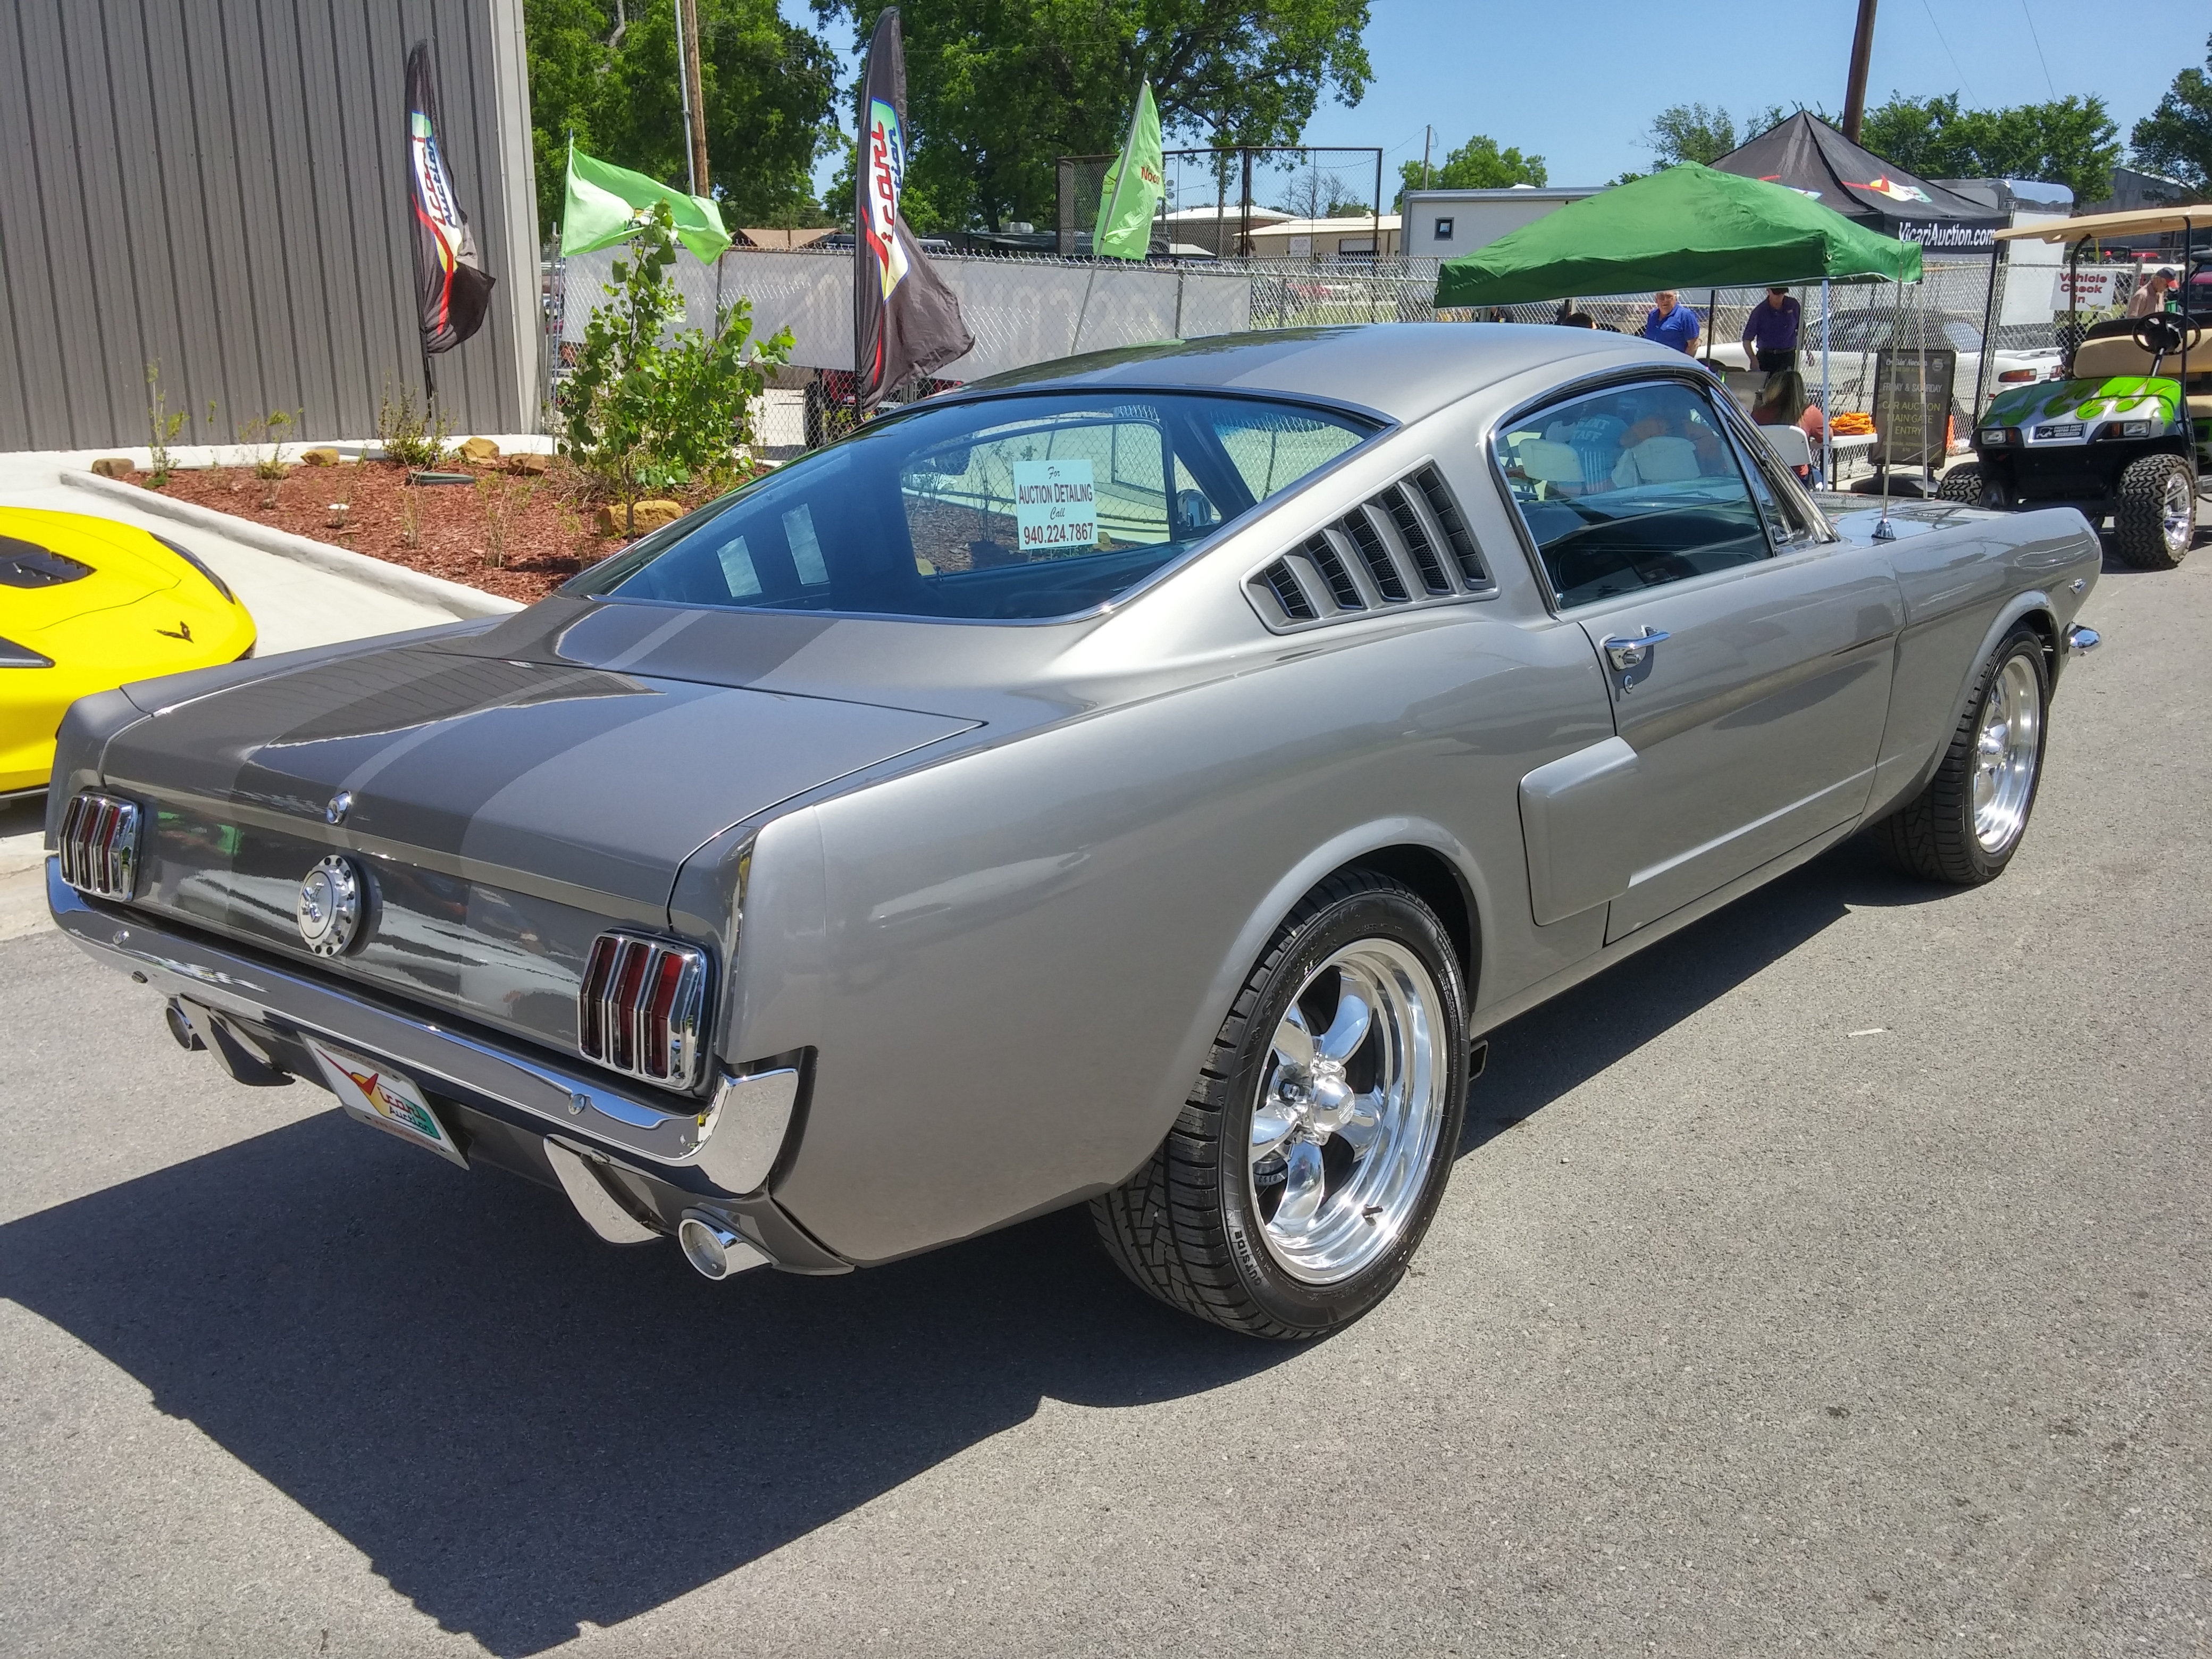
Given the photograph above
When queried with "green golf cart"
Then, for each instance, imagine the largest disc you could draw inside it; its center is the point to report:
(2127, 431)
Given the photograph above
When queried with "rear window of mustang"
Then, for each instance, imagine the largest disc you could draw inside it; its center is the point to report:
(1017, 508)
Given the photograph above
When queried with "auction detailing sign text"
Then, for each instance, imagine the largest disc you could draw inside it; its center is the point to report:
(1054, 510)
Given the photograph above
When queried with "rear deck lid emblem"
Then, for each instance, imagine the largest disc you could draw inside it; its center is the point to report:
(330, 906)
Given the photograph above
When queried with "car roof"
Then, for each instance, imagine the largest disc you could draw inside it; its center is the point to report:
(1402, 370)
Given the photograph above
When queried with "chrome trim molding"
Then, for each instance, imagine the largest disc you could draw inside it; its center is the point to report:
(573, 1164)
(743, 1132)
(667, 1131)
(99, 845)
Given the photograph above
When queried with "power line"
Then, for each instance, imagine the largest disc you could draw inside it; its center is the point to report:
(2039, 57)
(1945, 44)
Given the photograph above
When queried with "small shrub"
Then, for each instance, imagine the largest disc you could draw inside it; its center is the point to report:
(268, 429)
(653, 409)
(164, 425)
(504, 499)
(414, 438)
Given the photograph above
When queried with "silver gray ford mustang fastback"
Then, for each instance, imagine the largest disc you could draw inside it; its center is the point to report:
(1138, 782)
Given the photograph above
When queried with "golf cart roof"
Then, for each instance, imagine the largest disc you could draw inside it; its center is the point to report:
(2139, 221)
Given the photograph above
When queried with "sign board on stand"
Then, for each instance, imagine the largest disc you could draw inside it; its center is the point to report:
(2089, 287)
(1913, 391)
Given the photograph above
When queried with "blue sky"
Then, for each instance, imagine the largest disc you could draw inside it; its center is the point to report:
(1578, 85)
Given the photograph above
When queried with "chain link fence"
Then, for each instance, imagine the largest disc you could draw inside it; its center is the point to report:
(1025, 308)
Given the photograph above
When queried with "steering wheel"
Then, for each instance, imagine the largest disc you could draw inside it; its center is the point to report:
(2160, 334)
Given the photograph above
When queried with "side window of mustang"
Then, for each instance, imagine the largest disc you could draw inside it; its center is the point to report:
(1628, 489)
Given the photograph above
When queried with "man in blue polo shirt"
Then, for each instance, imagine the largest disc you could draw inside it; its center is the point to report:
(1672, 323)
(1770, 334)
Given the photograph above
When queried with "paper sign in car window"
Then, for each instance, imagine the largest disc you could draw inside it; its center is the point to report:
(1054, 511)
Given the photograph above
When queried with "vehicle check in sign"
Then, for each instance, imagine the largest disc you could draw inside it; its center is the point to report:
(1053, 512)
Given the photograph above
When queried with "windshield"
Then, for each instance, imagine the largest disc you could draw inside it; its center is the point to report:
(1012, 507)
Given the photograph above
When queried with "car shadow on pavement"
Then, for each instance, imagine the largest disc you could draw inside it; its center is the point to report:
(1556, 1048)
(523, 1429)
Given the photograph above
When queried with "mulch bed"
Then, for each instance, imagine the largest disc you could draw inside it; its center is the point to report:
(546, 517)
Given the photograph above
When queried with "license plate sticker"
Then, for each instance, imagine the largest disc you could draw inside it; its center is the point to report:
(384, 1099)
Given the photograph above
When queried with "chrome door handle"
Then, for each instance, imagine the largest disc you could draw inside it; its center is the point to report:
(1627, 652)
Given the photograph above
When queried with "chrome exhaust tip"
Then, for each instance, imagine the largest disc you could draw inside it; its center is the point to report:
(716, 1248)
(181, 1028)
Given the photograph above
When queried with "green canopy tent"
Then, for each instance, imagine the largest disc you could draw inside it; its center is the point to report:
(1687, 228)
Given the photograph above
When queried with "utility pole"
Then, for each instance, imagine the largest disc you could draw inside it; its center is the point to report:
(694, 100)
(1862, 54)
(1428, 134)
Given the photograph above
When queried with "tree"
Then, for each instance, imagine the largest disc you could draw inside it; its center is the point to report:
(1691, 132)
(767, 88)
(998, 89)
(1477, 164)
(2176, 138)
(1314, 194)
(2067, 141)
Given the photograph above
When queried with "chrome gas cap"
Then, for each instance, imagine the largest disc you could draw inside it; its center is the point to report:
(330, 906)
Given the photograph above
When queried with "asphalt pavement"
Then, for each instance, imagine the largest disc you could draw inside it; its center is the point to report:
(1830, 1279)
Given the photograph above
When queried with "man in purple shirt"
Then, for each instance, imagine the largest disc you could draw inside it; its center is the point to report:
(1770, 338)
(1672, 323)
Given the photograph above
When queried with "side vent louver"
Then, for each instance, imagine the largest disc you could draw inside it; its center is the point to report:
(1440, 502)
(1288, 595)
(1342, 587)
(1405, 547)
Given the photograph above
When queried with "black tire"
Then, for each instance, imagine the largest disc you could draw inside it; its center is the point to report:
(1969, 484)
(2140, 529)
(1932, 835)
(1187, 1226)
(1963, 483)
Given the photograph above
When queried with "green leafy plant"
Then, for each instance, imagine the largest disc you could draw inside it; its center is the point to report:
(651, 406)
(414, 438)
(164, 425)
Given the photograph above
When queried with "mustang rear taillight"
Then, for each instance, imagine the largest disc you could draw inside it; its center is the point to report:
(99, 846)
(641, 1008)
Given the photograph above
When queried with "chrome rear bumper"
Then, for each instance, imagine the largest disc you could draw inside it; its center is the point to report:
(732, 1139)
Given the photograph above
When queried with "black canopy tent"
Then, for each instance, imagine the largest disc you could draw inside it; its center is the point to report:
(1806, 155)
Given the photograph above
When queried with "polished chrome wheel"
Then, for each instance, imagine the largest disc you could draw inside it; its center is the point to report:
(1348, 1113)
(2008, 748)
(2178, 516)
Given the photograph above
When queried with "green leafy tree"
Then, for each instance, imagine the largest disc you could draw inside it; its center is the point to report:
(769, 88)
(1692, 132)
(1477, 164)
(998, 89)
(2176, 138)
(2067, 141)
(651, 406)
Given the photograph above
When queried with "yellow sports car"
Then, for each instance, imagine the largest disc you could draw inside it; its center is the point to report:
(87, 604)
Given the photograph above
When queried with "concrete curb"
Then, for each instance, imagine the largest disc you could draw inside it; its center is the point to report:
(451, 597)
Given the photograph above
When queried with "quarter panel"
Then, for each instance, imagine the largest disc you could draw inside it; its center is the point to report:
(1029, 948)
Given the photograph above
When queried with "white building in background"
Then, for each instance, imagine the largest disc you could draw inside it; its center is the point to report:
(1443, 224)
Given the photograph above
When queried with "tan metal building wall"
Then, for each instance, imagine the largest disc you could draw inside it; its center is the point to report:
(222, 186)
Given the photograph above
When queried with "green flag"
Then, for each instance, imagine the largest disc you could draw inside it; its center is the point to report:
(605, 203)
(1133, 187)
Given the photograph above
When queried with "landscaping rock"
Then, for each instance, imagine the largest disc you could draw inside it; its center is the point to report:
(319, 458)
(479, 449)
(608, 520)
(114, 467)
(530, 462)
